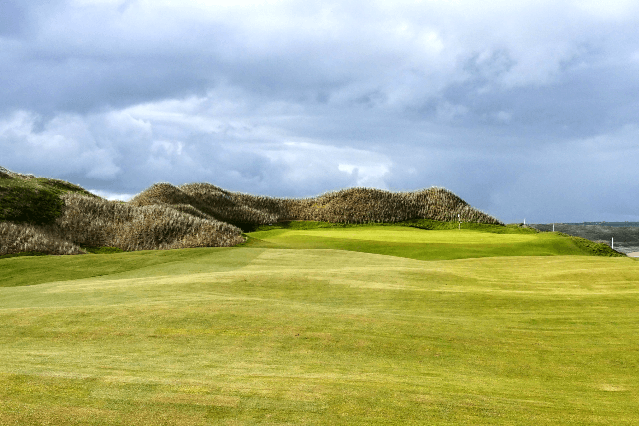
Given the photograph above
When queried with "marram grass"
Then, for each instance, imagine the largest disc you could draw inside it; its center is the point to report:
(91, 221)
(97, 222)
(55, 217)
(353, 205)
(22, 238)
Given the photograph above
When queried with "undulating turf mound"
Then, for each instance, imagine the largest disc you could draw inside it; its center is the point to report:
(354, 205)
(258, 336)
(407, 240)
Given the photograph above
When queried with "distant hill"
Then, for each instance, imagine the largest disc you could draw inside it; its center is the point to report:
(56, 217)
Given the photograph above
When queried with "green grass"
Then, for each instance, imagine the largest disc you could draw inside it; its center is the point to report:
(257, 335)
(445, 242)
(102, 250)
(25, 271)
(427, 224)
(33, 200)
(22, 254)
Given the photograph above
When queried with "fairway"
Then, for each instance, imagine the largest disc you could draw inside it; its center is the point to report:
(257, 335)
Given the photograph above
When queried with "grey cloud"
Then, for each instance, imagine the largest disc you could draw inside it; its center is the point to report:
(94, 56)
(499, 101)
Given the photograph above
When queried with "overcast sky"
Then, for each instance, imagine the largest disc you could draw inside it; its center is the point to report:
(525, 109)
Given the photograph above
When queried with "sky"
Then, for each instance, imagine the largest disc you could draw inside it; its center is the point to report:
(528, 110)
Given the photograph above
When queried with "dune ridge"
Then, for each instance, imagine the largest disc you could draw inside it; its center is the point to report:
(352, 205)
(52, 216)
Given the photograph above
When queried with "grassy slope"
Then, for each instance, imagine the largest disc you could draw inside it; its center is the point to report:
(21, 271)
(33, 200)
(388, 240)
(442, 243)
(268, 336)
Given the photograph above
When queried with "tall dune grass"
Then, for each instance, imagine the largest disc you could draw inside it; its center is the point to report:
(209, 199)
(354, 205)
(363, 205)
(54, 216)
(21, 238)
(94, 222)
(97, 222)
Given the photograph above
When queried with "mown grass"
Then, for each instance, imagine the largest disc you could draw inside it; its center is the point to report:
(400, 241)
(269, 336)
(23, 254)
(102, 250)
(426, 224)
(24, 271)
(435, 240)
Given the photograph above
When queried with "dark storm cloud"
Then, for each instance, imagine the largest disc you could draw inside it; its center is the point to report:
(525, 109)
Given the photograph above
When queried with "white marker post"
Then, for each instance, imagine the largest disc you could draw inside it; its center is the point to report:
(612, 243)
(459, 217)
(553, 227)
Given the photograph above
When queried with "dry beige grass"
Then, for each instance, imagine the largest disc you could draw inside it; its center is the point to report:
(94, 222)
(354, 205)
(208, 199)
(362, 205)
(20, 238)
(203, 215)
(98, 223)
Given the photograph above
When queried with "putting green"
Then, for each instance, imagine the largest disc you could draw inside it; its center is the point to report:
(401, 234)
(418, 243)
